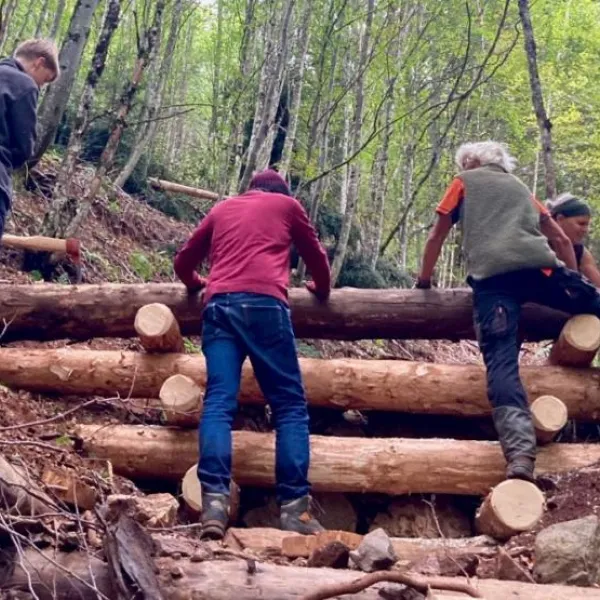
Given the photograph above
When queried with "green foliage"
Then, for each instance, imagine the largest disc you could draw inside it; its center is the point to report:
(356, 272)
(148, 266)
(190, 347)
(307, 350)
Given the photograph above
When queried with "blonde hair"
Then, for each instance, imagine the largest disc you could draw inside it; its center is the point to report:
(474, 154)
(39, 48)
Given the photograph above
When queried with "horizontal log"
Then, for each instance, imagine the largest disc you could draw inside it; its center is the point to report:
(39, 243)
(394, 385)
(54, 311)
(178, 188)
(223, 580)
(389, 466)
(408, 550)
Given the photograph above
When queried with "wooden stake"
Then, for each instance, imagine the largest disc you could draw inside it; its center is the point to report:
(512, 507)
(181, 400)
(191, 490)
(158, 329)
(578, 342)
(178, 188)
(549, 417)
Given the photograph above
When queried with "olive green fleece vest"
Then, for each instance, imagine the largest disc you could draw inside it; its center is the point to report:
(501, 226)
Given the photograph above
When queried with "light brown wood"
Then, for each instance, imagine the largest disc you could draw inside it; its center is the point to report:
(181, 400)
(408, 550)
(224, 580)
(191, 491)
(158, 329)
(340, 383)
(41, 244)
(389, 466)
(66, 486)
(178, 188)
(53, 311)
(550, 415)
(578, 342)
(512, 507)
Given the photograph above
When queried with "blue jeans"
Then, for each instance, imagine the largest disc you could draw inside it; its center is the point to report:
(236, 326)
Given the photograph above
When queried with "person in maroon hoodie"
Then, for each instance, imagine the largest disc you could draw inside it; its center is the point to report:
(247, 239)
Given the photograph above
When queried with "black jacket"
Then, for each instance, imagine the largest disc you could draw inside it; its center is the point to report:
(18, 101)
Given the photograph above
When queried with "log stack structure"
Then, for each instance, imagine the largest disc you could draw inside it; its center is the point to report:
(567, 387)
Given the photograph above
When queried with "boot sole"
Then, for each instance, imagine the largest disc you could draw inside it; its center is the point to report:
(212, 530)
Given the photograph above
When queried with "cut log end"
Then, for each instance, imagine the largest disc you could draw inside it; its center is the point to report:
(158, 329)
(578, 342)
(550, 415)
(512, 507)
(191, 490)
(181, 400)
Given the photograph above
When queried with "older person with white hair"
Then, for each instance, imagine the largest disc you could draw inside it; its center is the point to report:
(506, 237)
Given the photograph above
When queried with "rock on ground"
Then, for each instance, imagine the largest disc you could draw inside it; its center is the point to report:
(568, 552)
(374, 553)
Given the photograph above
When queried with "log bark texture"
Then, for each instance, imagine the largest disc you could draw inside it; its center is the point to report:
(345, 384)
(388, 466)
(223, 580)
(54, 311)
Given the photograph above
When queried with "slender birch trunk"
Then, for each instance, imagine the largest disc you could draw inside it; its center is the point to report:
(354, 175)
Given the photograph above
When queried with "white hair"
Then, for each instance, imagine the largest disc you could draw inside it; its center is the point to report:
(476, 154)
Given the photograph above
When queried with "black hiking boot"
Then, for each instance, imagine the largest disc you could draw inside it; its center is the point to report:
(296, 516)
(521, 467)
(215, 516)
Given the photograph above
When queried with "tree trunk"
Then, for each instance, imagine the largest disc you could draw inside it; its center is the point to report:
(42, 19)
(344, 384)
(268, 100)
(537, 98)
(107, 158)
(63, 207)
(60, 9)
(235, 145)
(296, 81)
(387, 466)
(147, 131)
(55, 101)
(6, 12)
(53, 311)
(354, 175)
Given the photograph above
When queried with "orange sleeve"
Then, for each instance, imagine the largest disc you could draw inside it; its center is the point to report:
(452, 198)
(540, 207)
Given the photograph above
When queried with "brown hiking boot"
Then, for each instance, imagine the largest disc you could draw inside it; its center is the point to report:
(296, 516)
(215, 516)
(521, 467)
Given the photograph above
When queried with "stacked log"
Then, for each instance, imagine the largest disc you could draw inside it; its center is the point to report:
(550, 415)
(389, 466)
(344, 384)
(578, 342)
(53, 311)
(158, 329)
(181, 400)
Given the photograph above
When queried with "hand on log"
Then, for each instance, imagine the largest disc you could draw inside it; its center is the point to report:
(421, 584)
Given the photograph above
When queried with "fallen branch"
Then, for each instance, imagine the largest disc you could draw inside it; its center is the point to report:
(423, 585)
(169, 186)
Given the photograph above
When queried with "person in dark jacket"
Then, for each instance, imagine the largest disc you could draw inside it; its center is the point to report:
(246, 314)
(33, 65)
(506, 242)
(574, 217)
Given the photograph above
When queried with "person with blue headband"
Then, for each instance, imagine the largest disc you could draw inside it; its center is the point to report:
(574, 217)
